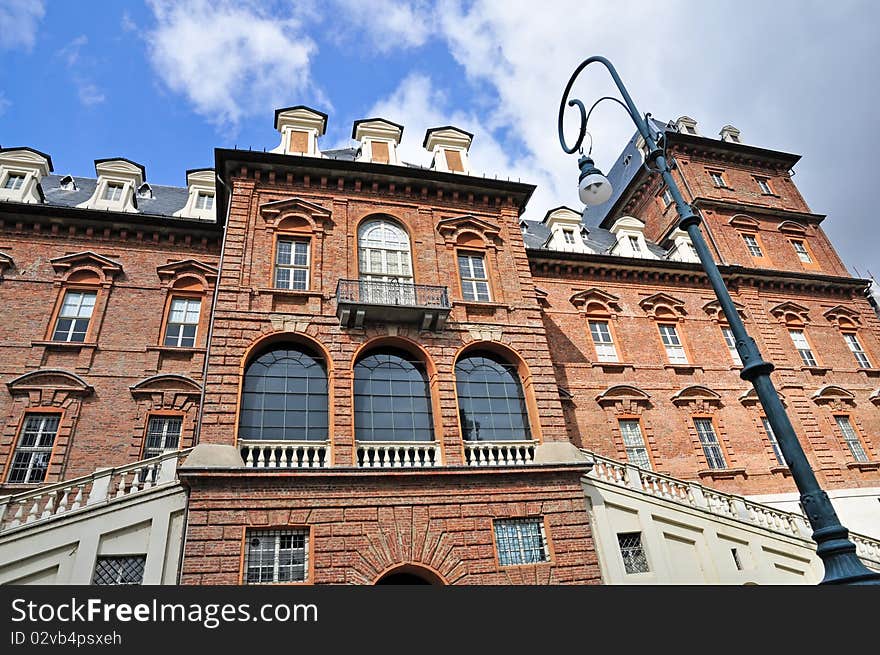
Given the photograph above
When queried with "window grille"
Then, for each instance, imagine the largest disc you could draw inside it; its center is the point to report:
(276, 556)
(634, 560)
(521, 541)
(125, 570)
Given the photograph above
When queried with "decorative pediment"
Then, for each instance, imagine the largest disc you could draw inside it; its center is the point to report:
(713, 309)
(171, 271)
(793, 227)
(314, 216)
(50, 379)
(595, 300)
(834, 395)
(452, 228)
(6, 262)
(166, 382)
(744, 222)
(842, 316)
(789, 312)
(750, 398)
(106, 268)
(697, 393)
(623, 393)
(662, 305)
(541, 296)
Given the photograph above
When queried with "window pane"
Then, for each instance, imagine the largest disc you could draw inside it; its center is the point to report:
(709, 441)
(636, 452)
(276, 556)
(632, 552)
(851, 438)
(124, 570)
(520, 541)
(491, 404)
(268, 412)
(773, 442)
(34, 448)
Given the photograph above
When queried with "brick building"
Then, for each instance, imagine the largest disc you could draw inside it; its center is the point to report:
(387, 375)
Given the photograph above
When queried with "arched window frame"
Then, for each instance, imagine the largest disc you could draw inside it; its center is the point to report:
(470, 235)
(849, 322)
(669, 310)
(596, 305)
(362, 228)
(795, 317)
(512, 359)
(187, 279)
(748, 226)
(294, 219)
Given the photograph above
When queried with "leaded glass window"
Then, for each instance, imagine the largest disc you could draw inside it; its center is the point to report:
(632, 552)
(124, 570)
(276, 556)
(521, 541)
(284, 396)
(34, 448)
(491, 403)
(392, 398)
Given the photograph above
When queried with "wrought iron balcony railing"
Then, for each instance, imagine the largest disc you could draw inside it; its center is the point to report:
(358, 301)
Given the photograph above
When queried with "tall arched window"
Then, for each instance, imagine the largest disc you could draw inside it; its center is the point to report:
(392, 398)
(491, 404)
(383, 252)
(284, 396)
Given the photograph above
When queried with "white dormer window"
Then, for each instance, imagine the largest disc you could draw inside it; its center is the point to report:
(200, 201)
(113, 191)
(14, 181)
(566, 230)
(205, 200)
(630, 238)
(450, 146)
(21, 170)
(687, 125)
(683, 249)
(379, 139)
(634, 243)
(300, 128)
(568, 235)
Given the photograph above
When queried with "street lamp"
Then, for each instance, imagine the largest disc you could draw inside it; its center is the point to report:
(837, 552)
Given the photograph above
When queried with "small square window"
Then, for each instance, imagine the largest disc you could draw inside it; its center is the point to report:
(113, 191)
(764, 185)
(14, 181)
(632, 552)
(126, 570)
(521, 541)
(205, 200)
(274, 556)
(717, 178)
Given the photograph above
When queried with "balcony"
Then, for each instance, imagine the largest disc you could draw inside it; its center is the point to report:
(499, 453)
(360, 301)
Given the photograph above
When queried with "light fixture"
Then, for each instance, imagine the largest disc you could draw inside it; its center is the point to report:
(593, 187)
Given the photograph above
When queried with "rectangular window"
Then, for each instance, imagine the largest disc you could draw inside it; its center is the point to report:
(73, 319)
(276, 556)
(709, 442)
(568, 235)
(14, 181)
(752, 244)
(803, 347)
(163, 434)
(521, 541)
(764, 184)
(125, 570)
(731, 345)
(801, 251)
(34, 448)
(773, 442)
(636, 452)
(851, 438)
(858, 352)
(632, 552)
(667, 197)
(292, 264)
(183, 321)
(205, 200)
(634, 244)
(605, 349)
(474, 280)
(674, 349)
(113, 191)
(717, 178)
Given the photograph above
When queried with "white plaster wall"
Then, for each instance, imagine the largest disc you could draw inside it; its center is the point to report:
(64, 550)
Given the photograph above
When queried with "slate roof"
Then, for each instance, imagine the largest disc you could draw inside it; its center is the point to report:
(599, 240)
(165, 201)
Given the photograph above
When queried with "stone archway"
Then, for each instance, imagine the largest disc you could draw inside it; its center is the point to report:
(409, 574)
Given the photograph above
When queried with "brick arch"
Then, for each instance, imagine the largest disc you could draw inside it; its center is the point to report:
(428, 573)
(401, 343)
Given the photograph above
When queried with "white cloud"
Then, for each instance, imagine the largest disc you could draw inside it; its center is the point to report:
(89, 94)
(87, 91)
(230, 59)
(71, 52)
(385, 24)
(19, 20)
(4, 104)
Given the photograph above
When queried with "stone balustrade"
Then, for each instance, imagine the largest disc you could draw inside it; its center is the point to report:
(499, 453)
(101, 487)
(285, 454)
(388, 454)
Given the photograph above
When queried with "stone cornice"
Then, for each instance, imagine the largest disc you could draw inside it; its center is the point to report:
(745, 208)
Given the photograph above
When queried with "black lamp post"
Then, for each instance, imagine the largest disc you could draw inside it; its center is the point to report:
(838, 553)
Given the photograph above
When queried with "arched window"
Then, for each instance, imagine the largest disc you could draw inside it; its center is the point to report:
(490, 399)
(284, 396)
(392, 398)
(383, 252)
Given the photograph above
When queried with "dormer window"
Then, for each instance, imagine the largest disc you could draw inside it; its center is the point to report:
(379, 139)
(634, 243)
(14, 181)
(450, 147)
(568, 235)
(113, 192)
(67, 183)
(205, 200)
(145, 191)
(300, 127)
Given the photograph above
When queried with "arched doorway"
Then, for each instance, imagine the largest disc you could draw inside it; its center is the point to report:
(409, 574)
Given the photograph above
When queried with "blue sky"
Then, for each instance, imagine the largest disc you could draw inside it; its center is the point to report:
(163, 82)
